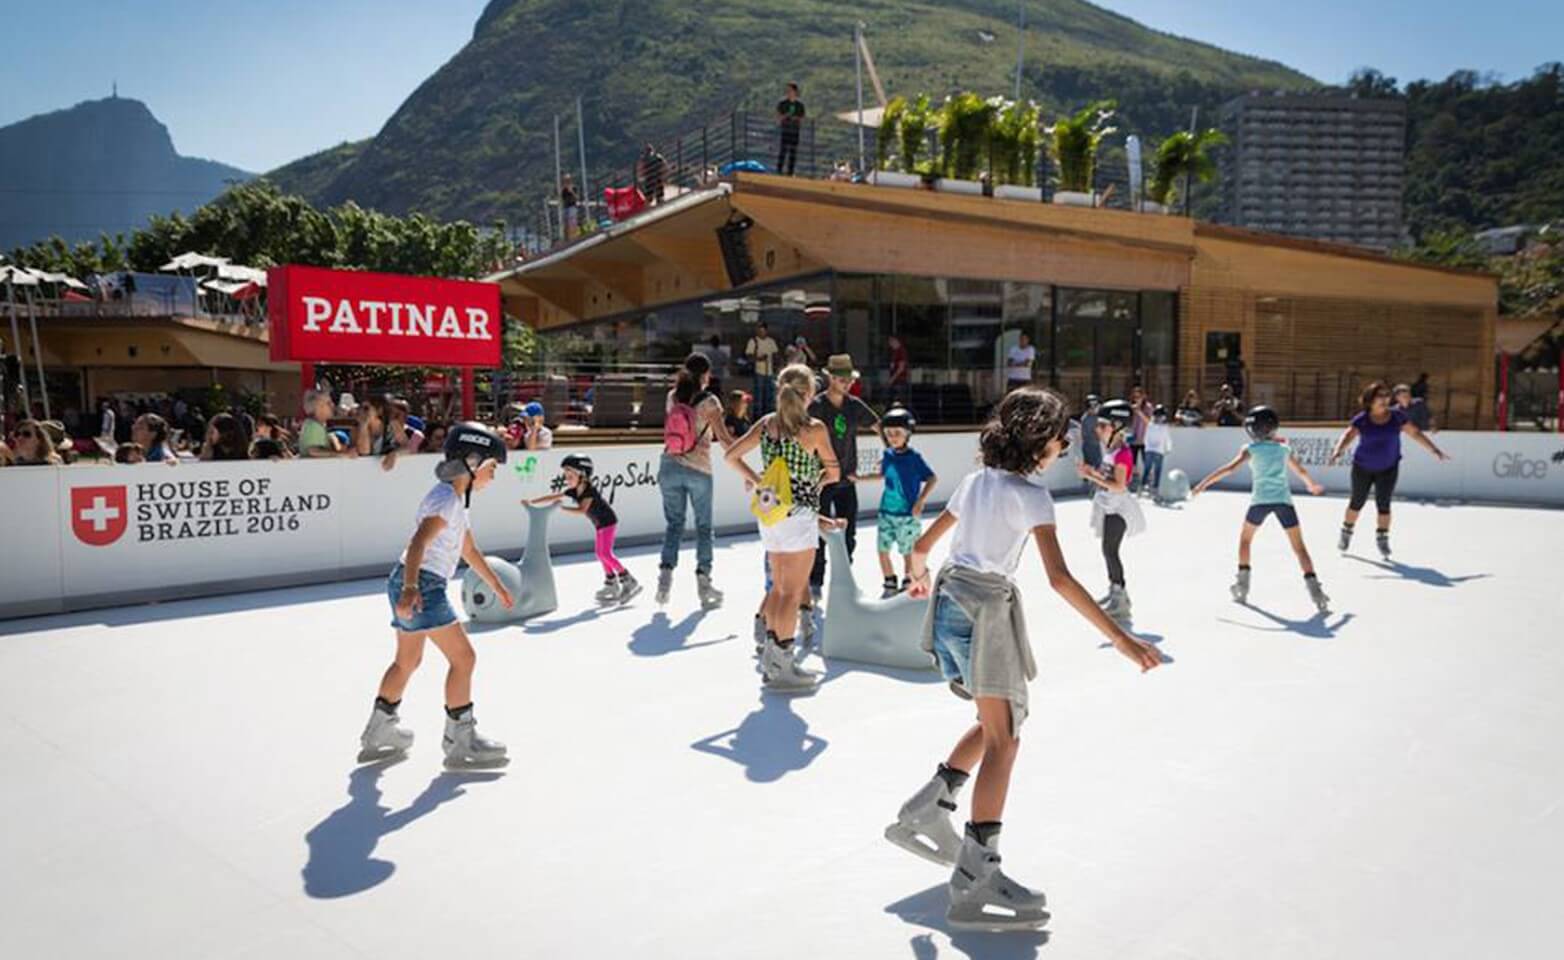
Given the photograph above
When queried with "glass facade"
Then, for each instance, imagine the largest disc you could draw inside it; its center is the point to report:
(955, 334)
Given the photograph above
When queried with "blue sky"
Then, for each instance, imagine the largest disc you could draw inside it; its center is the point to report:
(259, 84)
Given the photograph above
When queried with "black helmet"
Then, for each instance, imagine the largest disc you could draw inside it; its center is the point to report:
(899, 416)
(1159, 413)
(1117, 412)
(578, 462)
(1261, 423)
(466, 446)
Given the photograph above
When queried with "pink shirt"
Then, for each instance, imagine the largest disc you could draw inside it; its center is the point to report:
(1124, 457)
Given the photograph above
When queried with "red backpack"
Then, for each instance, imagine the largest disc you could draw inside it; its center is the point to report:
(680, 431)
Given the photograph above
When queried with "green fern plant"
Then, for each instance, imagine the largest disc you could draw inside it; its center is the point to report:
(886, 136)
(1076, 139)
(965, 123)
(913, 127)
(1179, 155)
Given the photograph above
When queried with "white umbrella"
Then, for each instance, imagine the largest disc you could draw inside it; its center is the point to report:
(234, 271)
(189, 261)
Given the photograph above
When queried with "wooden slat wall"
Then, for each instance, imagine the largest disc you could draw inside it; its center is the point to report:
(1310, 356)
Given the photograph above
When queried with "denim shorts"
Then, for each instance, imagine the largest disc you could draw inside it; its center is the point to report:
(952, 639)
(1283, 512)
(437, 610)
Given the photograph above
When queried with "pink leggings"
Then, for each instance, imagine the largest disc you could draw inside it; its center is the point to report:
(605, 550)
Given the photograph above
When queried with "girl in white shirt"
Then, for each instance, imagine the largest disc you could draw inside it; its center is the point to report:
(980, 645)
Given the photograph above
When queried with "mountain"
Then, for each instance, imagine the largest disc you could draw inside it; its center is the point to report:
(100, 166)
(475, 140)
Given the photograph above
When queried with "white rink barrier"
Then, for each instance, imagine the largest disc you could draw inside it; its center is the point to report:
(87, 536)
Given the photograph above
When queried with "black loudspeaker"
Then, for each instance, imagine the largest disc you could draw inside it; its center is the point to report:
(12, 368)
(733, 239)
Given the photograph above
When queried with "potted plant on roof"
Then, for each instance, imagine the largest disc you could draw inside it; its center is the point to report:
(966, 122)
(903, 125)
(1182, 156)
(1076, 139)
(1015, 141)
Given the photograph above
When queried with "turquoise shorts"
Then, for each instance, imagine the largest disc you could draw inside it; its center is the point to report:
(898, 533)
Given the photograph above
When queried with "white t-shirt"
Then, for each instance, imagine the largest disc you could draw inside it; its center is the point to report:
(444, 550)
(1159, 439)
(763, 351)
(1021, 360)
(545, 437)
(1000, 509)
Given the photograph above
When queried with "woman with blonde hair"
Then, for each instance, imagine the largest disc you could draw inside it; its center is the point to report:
(32, 447)
(796, 451)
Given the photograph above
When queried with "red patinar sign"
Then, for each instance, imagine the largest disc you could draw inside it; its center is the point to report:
(347, 316)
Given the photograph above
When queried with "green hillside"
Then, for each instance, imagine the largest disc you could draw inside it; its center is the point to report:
(475, 139)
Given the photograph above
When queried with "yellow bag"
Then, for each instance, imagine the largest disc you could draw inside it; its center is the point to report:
(772, 500)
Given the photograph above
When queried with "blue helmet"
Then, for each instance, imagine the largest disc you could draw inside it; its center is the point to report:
(533, 409)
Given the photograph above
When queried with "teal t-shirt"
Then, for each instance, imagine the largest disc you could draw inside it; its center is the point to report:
(1268, 465)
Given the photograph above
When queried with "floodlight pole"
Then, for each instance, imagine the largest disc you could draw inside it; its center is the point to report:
(43, 388)
(1020, 46)
(858, 76)
(16, 343)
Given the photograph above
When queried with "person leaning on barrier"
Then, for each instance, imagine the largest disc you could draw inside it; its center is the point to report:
(314, 437)
(224, 439)
(32, 447)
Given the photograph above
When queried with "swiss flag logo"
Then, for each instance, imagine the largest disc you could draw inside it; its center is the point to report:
(98, 514)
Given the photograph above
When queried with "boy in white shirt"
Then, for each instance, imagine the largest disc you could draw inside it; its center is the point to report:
(1159, 443)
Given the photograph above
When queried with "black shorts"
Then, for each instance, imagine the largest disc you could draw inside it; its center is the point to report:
(1383, 483)
(1283, 512)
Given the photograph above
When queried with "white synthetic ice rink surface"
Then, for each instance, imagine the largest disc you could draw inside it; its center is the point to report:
(1383, 782)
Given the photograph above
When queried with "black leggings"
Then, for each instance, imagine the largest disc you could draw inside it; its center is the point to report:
(1383, 482)
(1113, 529)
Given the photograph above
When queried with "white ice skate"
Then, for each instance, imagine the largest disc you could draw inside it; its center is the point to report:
(608, 593)
(1240, 587)
(628, 587)
(983, 898)
(1382, 540)
(465, 749)
(923, 825)
(807, 630)
(664, 585)
(1345, 540)
(760, 634)
(383, 738)
(1317, 594)
(711, 597)
(780, 672)
(1118, 605)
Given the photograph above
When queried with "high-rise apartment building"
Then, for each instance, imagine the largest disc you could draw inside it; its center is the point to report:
(1323, 166)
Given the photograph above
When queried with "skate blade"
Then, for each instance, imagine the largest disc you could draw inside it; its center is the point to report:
(912, 841)
(385, 755)
(467, 763)
(634, 592)
(790, 690)
(999, 922)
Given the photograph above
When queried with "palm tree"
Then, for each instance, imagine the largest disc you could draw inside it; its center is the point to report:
(1182, 156)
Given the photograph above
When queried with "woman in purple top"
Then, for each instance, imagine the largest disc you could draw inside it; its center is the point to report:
(1377, 460)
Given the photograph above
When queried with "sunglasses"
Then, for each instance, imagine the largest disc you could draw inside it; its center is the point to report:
(26, 435)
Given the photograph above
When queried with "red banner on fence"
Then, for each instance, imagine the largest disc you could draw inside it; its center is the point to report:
(347, 316)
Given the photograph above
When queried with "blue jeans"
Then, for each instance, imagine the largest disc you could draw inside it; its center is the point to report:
(1153, 474)
(765, 396)
(952, 639)
(436, 612)
(678, 484)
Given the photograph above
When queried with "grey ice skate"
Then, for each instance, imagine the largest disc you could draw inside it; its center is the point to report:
(889, 590)
(383, 738)
(760, 634)
(808, 630)
(1382, 540)
(1345, 540)
(1317, 594)
(780, 672)
(465, 748)
(664, 585)
(1118, 605)
(923, 825)
(1240, 587)
(609, 592)
(711, 597)
(983, 898)
(628, 587)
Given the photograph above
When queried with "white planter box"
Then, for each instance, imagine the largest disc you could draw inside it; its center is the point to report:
(1151, 206)
(951, 185)
(894, 178)
(1011, 191)
(1072, 198)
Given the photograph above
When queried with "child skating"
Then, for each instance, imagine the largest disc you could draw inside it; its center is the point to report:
(618, 585)
(1115, 512)
(908, 483)
(977, 636)
(1269, 460)
(420, 608)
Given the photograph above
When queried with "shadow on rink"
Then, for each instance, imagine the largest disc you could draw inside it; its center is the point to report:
(1424, 575)
(1317, 627)
(565, 623)
(660, 635)
(771, 742)
(927, 909)
(342, 846)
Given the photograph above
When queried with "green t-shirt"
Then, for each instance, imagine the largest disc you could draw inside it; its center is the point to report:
(1268, 465)
(313, 434)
